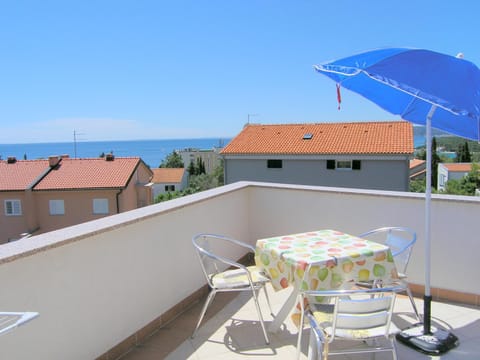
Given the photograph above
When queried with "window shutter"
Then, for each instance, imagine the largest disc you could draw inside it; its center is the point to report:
(356, 164)
(8, 208)
(331, 164)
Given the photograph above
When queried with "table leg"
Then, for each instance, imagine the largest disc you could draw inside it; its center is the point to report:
(285, 310)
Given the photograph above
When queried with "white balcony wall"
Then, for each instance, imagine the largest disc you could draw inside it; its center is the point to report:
(97, 283)
(286, 209)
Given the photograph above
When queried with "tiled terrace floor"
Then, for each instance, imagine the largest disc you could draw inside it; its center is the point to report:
(231, 331)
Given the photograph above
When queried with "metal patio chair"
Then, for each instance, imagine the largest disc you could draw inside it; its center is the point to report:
(400, 240)
(361, 316)
(224, 274)
(11, 320)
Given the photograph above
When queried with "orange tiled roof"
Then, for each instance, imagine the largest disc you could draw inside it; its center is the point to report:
(392, 137)
(459, 167)
(91, 173)
(416, 162)
(21, 174)
(167, 175)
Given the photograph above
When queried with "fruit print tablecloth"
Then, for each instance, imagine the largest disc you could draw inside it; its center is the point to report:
(322, 260)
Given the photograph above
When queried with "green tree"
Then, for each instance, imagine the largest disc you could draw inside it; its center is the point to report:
(435, 161)
(463, 153)
(191, 169)
(174, 160)
(467, 156)
(454, 187)
(201, 182)
(218, 173)
(200, 166)
(417, 186)
(168, 196)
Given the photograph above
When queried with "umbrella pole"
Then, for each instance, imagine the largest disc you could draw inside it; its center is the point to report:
(427, 298)
(425, 338)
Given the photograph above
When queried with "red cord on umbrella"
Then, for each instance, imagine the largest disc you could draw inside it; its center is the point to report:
(339, 96)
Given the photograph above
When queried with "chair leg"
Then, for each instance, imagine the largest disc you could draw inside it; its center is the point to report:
(312, 348)
(315, 346)
(409, 293)
(209, 300)
(394, 348)
(268, 300)
(260, 317)
(300, 333)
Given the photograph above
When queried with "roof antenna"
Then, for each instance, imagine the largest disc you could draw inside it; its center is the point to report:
(460, 55)
(248, 118)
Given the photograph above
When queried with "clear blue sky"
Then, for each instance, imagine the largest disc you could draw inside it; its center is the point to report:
(125, 70)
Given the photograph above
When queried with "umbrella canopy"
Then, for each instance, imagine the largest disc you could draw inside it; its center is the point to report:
(407, 82)
(426, 88)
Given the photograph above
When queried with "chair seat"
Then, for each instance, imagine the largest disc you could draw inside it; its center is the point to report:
(238, 278)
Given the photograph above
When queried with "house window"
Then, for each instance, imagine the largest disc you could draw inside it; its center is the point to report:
(57, 207)
(274, 164)
(100, 206)
(331, 164)
(169, 187)
(13, 208)
(343, 164)
(442, 179)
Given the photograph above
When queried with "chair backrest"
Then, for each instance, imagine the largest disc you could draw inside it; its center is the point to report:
(214, 252)
(400, 240)
(359, 311)
(361, 314)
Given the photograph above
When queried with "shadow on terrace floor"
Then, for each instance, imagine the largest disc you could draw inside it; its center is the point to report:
(231, 331)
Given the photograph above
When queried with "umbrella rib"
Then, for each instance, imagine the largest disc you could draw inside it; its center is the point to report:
(322, 68)
(380, 80)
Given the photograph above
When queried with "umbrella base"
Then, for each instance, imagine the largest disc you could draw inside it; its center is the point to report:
(436, 343)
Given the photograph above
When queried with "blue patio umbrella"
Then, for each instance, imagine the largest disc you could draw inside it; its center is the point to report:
(427, 88)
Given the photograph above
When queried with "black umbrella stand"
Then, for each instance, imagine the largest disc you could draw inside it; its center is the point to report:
(432, 342)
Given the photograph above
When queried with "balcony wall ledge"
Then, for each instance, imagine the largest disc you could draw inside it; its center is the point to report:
(29, 246)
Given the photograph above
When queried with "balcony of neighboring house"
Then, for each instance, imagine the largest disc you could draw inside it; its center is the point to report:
(129, 285)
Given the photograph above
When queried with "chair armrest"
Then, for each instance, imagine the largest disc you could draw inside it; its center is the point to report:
(233, 241)
(222, 259)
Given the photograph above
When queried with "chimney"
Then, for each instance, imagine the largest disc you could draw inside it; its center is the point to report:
(53, 160)
(109, 157)
(11, 160)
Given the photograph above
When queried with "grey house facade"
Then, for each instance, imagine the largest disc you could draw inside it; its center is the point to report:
(355, 155)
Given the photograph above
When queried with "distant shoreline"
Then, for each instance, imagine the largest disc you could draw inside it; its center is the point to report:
(113, 141)
(152, 152)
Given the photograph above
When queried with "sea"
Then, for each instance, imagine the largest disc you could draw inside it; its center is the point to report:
(152, 152)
